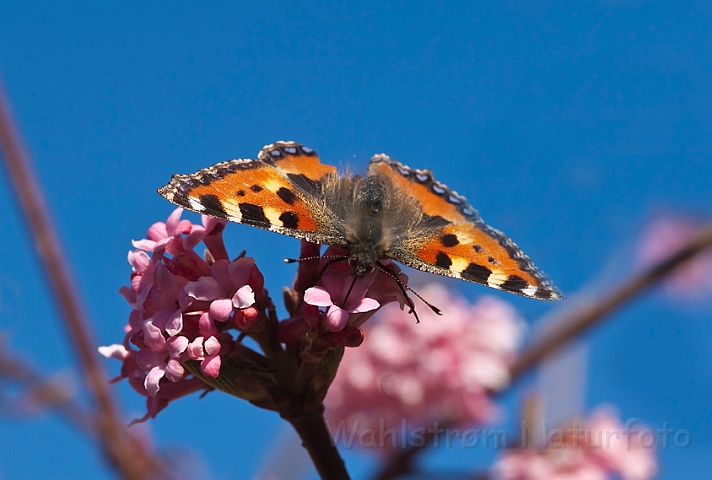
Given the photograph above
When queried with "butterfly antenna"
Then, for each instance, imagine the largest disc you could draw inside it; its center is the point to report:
(403, 290)
(404, 287)
(316, 257)
(332, 259)
(432, 307)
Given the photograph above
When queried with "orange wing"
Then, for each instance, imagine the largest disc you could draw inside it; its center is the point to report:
(461, 245)
(281, 192)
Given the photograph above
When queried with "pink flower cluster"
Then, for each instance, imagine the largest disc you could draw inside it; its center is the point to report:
(191, 308)
(600, 449)
(439, 370)
(663, 237)
(183, 307)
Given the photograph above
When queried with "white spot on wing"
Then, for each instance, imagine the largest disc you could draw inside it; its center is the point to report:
(495, 280)
(232, 208)
(272, 214)
(530, 291)
(437, 189)
(459, 264)
(195, 204)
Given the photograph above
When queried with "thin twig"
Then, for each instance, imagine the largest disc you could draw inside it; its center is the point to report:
(46, 392)
(580, 320)
(132, 460)
(570, 326)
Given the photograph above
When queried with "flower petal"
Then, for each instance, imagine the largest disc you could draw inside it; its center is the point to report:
(139, 260)
(177, 345)
(211, 366)
(116, 351)
(195, 349)
(158, 231)
(244, 297)
(166, 282)
(212, 346)
(206, 327)
(151, 383)
(153, 337)
(144, 244)
(206, 288)
(174, 324)
(240, 270)
(128, 294)
(336, 318)
(365, 305)
(221, 309)
(219, 271)
(334, 282)
(173, 220)
(195, 236)
(174, 370)
(317, 296)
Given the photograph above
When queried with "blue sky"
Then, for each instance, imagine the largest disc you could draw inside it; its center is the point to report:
(568, 125)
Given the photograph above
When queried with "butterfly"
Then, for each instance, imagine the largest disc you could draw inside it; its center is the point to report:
(392, 212)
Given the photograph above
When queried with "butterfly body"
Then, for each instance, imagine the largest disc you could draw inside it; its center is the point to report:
(391, 212)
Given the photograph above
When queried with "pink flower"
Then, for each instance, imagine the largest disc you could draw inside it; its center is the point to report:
(350, 294)
(225, 290)
(665, 236)
(441, 369)
(181, 304)
(601, 448)
(207, 347)
(337, 303)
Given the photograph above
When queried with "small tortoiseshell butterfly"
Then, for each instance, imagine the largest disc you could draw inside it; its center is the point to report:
(393, 212)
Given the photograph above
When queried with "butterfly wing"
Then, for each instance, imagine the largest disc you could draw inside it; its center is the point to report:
(280, 191)
(460, 244)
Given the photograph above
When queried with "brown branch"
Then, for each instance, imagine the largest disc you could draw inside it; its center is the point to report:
(131, 459)
(45, 392)
(580, 320)
(571, 325)
(317, 441)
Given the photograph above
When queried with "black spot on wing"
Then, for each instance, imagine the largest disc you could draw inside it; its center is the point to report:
(289, 220)
(213, 206)
(256, 188)
(477, 273)
(477, 248)
(287, 195)
(442, 260)
(449, 240)
(253, 215)
(240, 193)
(514, 283)
(543, 294)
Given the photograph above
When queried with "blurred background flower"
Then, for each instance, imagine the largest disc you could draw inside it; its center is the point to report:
(597, 448)
(663, 236)
(440, 370)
